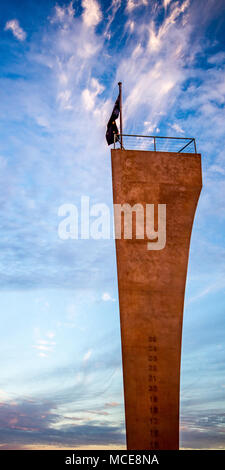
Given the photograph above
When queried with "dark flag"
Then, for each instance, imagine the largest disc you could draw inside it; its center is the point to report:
(111, 126)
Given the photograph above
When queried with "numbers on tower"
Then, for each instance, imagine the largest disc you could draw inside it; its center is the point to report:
(153, 392)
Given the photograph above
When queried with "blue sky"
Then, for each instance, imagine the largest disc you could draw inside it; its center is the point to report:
(61, 376)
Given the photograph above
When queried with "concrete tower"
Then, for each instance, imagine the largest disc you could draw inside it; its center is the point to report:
(151, 285)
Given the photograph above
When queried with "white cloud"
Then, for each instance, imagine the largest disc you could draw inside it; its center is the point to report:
(217, 58)
(132, 4)
(166, 3)
(130, 25)
(155, 39)
(155, 68)
(87, 355)
(92, 14)
(177, 128)
(64, 98)
(42, 121)
(71, 52)
(62, 12)
(88, 99)
(18, 32)
(150, 127)
(106, 297)
(89, 96)
(44, 346)
(115, 5)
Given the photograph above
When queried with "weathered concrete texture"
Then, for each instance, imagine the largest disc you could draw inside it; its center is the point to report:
(151, 291)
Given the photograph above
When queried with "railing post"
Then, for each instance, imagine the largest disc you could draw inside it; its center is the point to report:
(154, 144)
(195, 146)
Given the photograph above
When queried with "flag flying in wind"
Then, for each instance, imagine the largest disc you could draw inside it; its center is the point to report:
(111, 126)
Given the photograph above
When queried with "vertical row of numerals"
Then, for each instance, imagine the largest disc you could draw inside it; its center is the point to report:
(153, 392)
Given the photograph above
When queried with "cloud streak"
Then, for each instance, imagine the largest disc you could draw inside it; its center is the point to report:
(28, 423)
(17, 31)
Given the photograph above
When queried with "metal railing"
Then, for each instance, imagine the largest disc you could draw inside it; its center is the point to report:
(156, 143)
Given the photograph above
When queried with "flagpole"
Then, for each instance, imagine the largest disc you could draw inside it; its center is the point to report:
(121, 115)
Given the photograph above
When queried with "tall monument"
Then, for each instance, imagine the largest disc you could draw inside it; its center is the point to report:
(151, 285)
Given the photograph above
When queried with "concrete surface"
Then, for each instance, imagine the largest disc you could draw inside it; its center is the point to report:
(151, 287)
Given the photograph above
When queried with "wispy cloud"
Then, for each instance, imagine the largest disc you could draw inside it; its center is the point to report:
(204, 431)
(92, 14)
(45, 346)
(177, 128)
(75, 57)
(132, 4)
(156, 65)
(14, 26)
(34, 422)
(87, 355)
(107, 297)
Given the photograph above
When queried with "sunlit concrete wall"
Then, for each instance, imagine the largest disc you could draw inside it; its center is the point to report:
(151, 287)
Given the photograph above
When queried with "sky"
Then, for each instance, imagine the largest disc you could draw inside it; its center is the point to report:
(61, 373)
